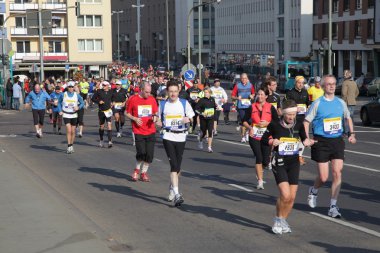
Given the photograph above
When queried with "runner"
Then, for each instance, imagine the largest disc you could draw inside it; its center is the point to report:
(300, 95)
(38, 98)
(68, 105)
(103, 97)
(315, 91)
(243, 92)
(57, 118)
(273, 98)
(142, 109)
(284, 136)
(84, 87)
(206, 108)
(175, 114)
(194, 98)
(327, 116)
(221, 98)
(80, 112)
(119, 97)
(256, 120)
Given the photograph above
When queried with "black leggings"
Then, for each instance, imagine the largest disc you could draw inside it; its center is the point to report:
(217, 115)
(174, 151)
(38, 116)
(261, 151)
(80, 117)
(145, 147)
(207, 125)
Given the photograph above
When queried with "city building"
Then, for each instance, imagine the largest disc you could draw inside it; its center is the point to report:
(354, 43)
(69, 41)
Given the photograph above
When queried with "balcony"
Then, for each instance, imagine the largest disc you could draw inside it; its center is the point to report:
(35, 56)
(55, 6)
(15, 7)
(23, 31)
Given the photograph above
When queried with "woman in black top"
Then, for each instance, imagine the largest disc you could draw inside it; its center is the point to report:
(206, 107)
(284, 137)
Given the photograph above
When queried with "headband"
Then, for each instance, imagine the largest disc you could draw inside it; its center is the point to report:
(291, 109)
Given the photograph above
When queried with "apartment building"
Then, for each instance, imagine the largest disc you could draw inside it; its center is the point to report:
(68, 40)
(354, 43)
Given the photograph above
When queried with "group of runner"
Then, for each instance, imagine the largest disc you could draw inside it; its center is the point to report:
(277, 130)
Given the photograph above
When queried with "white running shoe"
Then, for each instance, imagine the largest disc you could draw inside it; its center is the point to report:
(238, 128)
(110, 144)
(68, 151)
(101, 144)
(285, 226)
(334, 212)
(72, 149)
(200, 144)
(260, 185)
(312, 199)
(277, 226)
(209, 149)
(171, 195)
(118, 135)
(243, 140)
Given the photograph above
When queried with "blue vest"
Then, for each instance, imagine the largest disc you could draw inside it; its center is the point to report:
(244, 91)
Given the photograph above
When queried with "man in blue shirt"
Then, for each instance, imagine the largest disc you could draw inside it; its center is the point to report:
(327, 116)
(57, 118)
(38, 98)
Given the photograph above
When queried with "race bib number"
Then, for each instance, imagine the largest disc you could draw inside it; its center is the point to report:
(288, 146)
(144, 111)
(193, 95)
(218, 95)
(332, 125)
(301, 108)
(174, 122)
(118, 106)
(209, 112)
(246, 102)
(258, 132)
(108, 113)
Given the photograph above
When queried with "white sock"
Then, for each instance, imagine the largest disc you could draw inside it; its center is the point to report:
(145, 167)
(333, 202)
(138, 165)
(175, 190)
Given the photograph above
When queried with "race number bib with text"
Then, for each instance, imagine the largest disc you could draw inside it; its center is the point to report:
(144, 111)
(173, 122)
(108, 113)
(301, 108)
(258, 132)
(332, 125)
(288, 146)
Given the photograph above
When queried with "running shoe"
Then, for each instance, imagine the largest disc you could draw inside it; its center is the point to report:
(277, 226)
(38, 135)
(238, 128)
(59, 132)
(209, 149)
(260, 185)
(171, 195)
(110, 144)
(200, 145)
(101, 144)
(68, 151)
(135, 175)
(215, 133)
(80, 135)
(144, 177)
(312, 198)
(243, 140)
(118, 135)
(285, 226)
(178, 200)
(334, 212)
(40, 132)
(199, 136)
(190, 130)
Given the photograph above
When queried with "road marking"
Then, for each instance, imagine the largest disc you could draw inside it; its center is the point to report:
(347, 224)
(368, 142)
(361, 153)
(235, 143)
(376, 128)
(240, 187)
(7, 135)
(367, 131)
(158, 160)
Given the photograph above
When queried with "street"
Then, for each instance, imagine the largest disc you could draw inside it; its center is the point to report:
(223, 211)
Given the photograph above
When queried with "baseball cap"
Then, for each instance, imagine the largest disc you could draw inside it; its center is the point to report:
(317, 79)
(71, 84)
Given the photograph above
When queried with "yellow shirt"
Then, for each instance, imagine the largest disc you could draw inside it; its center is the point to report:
(315, 93)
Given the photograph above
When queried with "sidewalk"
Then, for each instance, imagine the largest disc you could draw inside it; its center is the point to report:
(33, 220)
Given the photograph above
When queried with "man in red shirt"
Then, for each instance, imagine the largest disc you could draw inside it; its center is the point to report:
(142, 110)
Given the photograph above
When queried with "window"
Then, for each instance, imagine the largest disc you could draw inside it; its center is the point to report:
(90, 1)
(23, 46)
(335, 30)
(196, 23)
(90, 45)
(89, 21)
(346, 5)
(281, 27)
(324, 30)
(20, 21)
(281, 7)
(56, 21)
(206, 23)
(55, 46)
(358, 29)
(1, 19)
(206, 40)
(346, 27)
(315, 31)
(196, 39)
(370, 29)
(358, 4)
(371, 3)
(335, 5)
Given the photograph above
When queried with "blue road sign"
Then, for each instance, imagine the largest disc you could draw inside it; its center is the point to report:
(189, 75)
(67, 68)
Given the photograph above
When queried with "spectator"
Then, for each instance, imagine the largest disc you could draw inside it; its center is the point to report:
(17, 94)
(9, 89)
(350, 92)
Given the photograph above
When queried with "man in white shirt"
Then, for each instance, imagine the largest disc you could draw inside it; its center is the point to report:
(221, 98)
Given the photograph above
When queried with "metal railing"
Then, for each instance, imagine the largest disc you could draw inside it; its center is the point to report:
(24, 31)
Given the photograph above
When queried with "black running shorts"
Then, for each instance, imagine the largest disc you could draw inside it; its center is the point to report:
(327, 149)
(71, 121)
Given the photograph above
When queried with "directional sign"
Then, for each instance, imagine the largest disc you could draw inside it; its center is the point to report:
(67, 68)
(187, 67)
(189, 75)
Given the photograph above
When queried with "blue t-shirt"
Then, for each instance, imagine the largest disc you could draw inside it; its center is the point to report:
(55, 96)
(327, 117)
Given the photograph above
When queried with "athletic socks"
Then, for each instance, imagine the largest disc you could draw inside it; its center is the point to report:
(175, 190)
(101, 133)
(138, 164)
(117, 125)
(109, 133)
(314, 191)
(333, 202)
(145, 167)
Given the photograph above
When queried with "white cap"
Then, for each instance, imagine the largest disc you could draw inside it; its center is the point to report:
(71, 84)
(118, 82)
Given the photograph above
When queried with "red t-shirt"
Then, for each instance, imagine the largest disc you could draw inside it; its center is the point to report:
(143, 108)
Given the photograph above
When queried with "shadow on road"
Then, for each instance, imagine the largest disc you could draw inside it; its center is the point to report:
(329, 248)
(251, 156)
(221, 162)
(105, 172)
(73, 239)
(48, 148)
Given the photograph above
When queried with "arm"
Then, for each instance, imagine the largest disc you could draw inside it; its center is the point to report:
(234, 93)
(274, 114)
(95, 97)
(81, 102)
(267, 135)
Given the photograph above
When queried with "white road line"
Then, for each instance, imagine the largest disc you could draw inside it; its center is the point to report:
(361, 153)
(158, 160)
(347, 224)
(369, 142)
(235, 143)
(240, 187)
(367, 131)
(7, 135)
(376, 128)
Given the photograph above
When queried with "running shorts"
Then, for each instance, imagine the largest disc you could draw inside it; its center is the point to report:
(327, 149)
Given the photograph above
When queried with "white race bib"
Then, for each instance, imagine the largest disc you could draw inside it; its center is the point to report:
(118, 106)
(144, 111)
(288, 146)
(193, 95)
(108, 113)
(258, 132)
(246, 102)
(173, 122)
(332, 125)
(301, 108)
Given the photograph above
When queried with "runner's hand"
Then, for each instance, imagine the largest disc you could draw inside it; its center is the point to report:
(186, 120)
(276, 142)
(251, 132)
(76, 108)
(27, 106)
(61, 113)
(101, 102)
(159, 123)
(138, 121)
(352, 139)
(308, 142)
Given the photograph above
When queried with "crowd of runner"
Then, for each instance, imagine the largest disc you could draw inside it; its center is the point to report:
(277, 129)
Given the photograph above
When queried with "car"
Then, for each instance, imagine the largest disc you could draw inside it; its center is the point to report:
(161, 70)
(373, 87)
(370, 112)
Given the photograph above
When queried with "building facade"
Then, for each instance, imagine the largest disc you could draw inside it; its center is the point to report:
(68, 40)
(353, 36)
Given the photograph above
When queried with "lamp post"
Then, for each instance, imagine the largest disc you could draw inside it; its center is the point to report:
(167, 33)
(138, 6)
(329, 69)
(118, 32)
(188, 27)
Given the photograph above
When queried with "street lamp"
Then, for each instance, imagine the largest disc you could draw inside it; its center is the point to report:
(118, 32)
(188, 27)
(138, 6)
(329, 70)
(167, 33)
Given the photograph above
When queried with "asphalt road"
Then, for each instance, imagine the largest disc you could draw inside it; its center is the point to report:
(223, 212)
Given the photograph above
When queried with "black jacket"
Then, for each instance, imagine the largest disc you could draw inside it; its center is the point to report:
(203, 104)
(105, 96)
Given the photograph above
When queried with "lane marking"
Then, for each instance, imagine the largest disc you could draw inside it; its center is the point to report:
(158, 160)
(347, 224)
(7, 135)
(345, 164)
(240, 187)
(361, 153)
(369, 142)
(376, 128)
(367, 131)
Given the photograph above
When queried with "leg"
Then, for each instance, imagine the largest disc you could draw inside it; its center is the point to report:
(323, 169)
(117, 119)
(337, 167)
(210, 131)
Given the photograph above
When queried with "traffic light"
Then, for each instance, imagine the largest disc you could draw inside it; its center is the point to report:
(77, 9)
(5, 59)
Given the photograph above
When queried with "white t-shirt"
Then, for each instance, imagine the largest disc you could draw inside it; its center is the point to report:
(218, 94)
(176, 108)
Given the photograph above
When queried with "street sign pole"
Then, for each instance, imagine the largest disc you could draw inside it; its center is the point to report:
(42, 77)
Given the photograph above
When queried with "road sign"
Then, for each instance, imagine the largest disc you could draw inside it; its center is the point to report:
(67, 67)
(186, 67)
(189, 75)
(201, 66)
